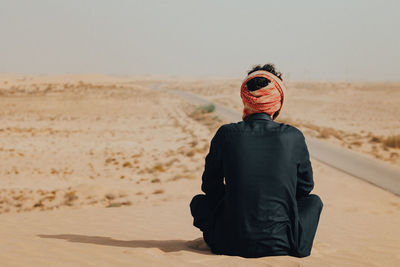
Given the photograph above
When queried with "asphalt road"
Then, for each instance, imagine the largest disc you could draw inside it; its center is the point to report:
(379, 173)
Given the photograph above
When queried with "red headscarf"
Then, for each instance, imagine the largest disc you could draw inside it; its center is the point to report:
(268, 99)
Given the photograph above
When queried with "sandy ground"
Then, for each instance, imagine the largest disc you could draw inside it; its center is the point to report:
(99, 171)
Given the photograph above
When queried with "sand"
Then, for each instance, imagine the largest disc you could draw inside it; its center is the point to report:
(101, 172)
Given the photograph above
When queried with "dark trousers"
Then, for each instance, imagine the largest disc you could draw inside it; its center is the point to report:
(203, 215)
(309, 210)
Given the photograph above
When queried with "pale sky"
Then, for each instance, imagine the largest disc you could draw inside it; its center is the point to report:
(307, 40)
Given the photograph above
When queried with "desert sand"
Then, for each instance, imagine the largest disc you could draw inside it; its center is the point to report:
(99, 171)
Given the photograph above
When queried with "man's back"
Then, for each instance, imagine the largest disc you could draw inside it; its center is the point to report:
(256, 212)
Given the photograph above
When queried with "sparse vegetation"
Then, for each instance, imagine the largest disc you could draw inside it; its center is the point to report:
(110, 196)
(206, 108)
(23, 200)
(159, 167)
(127, 165)
(158, 191)
(69, 198)
(356, 143)
(190, 153)
(119, 204)
(204, 115)
(375, 139)
(183, 176)
(392, 141)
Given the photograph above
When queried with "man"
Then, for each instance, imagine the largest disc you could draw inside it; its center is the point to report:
(257, 179)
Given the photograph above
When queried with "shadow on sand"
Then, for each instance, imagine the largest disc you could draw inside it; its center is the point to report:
(197, 245)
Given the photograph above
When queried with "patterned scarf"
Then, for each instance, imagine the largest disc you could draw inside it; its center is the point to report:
(268, 99)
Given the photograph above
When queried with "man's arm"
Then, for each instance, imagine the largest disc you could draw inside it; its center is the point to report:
(305, 181)
(213, 177)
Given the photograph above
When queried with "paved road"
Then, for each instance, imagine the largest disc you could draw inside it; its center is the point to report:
(376, 172)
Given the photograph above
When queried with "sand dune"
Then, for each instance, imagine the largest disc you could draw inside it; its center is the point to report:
(359, 227)
(101, 172)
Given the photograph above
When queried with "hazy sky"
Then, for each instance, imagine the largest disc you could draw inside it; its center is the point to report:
(319, 40)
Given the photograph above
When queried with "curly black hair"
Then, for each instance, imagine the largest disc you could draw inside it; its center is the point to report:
(259, 82)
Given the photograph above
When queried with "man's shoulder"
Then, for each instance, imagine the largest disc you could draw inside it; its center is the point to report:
(294, 130)
(229, 127)
(223, 129)
(236, 126)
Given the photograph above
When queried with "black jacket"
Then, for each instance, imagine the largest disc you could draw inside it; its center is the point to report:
(266, 168)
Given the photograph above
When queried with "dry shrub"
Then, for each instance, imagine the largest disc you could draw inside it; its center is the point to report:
(176, 177)
(50, 198)
(357, 143)
(70, 197)
(38, 204)
(158, 191)
(110, 196)
(127, 165)
(193, 143)
(67, 85)
(327, 132)
(375, 139)
(159, 167)
(392, 141)
(183, 176)
(48, 88)
(119, 204)
(109, 160)
(190, 153)
(169, 163)
(206, 108)
(324, 134)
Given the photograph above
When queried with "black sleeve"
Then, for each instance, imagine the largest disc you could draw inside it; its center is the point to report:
(213, 177)
(305, 182)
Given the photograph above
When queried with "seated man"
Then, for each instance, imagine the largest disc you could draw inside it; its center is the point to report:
(257, 180)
